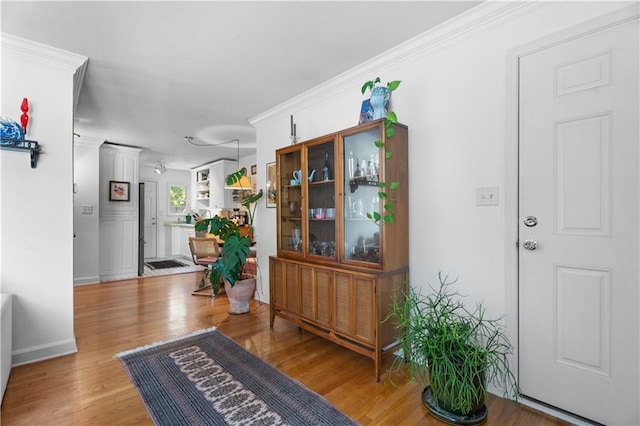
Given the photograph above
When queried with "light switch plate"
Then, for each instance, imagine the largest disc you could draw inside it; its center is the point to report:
(87, 209)
(487, 196)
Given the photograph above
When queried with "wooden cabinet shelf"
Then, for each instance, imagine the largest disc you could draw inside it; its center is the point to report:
(335, 276)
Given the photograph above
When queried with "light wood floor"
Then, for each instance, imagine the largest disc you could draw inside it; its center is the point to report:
(91, 387)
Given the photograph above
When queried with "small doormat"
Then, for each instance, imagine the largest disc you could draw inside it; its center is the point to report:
(206, 378)
(164, 264)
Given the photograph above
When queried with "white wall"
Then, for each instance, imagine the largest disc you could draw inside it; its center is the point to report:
(86, 227)
(453, 99)
(36, 226)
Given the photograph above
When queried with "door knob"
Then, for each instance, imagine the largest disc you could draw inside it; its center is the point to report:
(530, 244)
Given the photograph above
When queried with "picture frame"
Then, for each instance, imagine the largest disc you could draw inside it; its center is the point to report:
(366, 112)
(271, 197)
(254, 169)
(119, 191)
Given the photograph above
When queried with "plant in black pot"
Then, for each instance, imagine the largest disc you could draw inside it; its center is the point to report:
(228, 268)
(455, 350)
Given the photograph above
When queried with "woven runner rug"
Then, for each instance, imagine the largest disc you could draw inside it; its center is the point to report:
(205, 378)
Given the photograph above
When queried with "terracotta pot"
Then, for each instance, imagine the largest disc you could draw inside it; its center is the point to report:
(240, 294)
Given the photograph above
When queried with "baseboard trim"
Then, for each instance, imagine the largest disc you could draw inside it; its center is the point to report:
(86, 280)
(118, 277)
(43, 352)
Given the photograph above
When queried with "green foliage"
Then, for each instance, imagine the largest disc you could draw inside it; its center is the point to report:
(177, 196)
(391, 119)
(458, 351)
(392, 85)
(236, 249)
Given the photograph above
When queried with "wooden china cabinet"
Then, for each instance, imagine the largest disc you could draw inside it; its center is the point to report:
(336, 269)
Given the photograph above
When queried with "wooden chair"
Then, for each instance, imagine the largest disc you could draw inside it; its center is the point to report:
(204, 251)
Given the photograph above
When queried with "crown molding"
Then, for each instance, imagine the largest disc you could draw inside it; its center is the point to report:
(89, 141)
(469, 22)
(41, 52)
(67, 61)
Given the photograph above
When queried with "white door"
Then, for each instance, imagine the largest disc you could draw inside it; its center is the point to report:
(578, 289)
(150, 222)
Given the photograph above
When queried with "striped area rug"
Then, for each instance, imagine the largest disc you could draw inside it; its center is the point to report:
(205, 378)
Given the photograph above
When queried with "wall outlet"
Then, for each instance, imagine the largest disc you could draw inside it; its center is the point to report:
(487, 196)
(87, 209)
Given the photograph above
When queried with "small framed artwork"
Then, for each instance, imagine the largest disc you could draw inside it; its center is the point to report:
(254, 169)
(119, 191)
(366, 112)
(271, 185)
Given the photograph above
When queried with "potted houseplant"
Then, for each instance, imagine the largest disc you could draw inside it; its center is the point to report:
(379, 97)
(229, 267)
(456, 350)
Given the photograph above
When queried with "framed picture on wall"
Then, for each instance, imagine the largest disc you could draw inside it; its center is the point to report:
(119, 191)
(271, 185)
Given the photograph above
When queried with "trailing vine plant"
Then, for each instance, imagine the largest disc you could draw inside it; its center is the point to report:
(388, 213)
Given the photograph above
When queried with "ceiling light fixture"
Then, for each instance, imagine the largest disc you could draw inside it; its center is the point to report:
(243, 183)
(160, 168)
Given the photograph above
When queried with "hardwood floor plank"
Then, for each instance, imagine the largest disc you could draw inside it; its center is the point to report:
(92, 388)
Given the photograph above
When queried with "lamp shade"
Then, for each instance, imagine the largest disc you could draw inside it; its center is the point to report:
(242, 184)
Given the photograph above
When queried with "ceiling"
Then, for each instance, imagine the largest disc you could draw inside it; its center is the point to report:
(160, 71)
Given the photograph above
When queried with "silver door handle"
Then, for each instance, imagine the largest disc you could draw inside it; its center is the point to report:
(530, 244)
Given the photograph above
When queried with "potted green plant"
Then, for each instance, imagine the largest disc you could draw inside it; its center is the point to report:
(228, 268)
(455, 350)
(379, 95)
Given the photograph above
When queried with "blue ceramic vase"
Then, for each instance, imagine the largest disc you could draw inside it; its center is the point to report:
(10, 129)
(379, 100)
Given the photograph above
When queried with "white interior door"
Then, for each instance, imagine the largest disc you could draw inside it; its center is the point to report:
(578, 289)
(150, 222)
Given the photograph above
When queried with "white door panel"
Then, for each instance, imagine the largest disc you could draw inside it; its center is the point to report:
(578, 290)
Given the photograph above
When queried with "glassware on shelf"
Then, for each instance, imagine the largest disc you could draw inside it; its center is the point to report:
(373, 170)
(295, 241)
(326, 169)
(351, 165)
(332, 249)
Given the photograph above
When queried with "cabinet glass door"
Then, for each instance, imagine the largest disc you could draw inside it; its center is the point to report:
(361, 176)
(321, 203)
(290, 201)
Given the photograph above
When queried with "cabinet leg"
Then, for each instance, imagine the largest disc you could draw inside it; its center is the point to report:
(272, 317)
